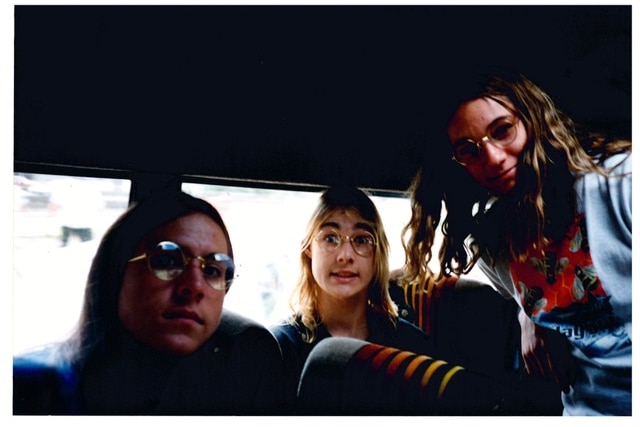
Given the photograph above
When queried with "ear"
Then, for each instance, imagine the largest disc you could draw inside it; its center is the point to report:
(308, 253)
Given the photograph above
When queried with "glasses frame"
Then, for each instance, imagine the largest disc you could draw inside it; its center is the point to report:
(342, 238)
(486, 139)
(219, 257)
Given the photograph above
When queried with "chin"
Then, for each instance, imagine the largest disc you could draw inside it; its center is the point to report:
(181, 346)
(503, 190)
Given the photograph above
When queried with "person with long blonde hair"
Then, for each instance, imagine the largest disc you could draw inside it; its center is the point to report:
(343, 286)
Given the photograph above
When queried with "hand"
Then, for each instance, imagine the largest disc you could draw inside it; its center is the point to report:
(546, 353)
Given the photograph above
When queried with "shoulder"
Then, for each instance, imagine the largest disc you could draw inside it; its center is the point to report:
(236, 330)
(411, 338)
(43, 383)
(618, 163)
(233, 323)
(41, 359)
(409, 329)
(287, 331)
(596, 190)
(615, 167)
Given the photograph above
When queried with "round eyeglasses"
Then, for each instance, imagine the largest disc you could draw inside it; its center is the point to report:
(362, 242)
(167, 261)
(501, 133)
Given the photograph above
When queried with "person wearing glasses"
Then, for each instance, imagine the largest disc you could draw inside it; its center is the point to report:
(544, 208)
(343, 286)
(154, 338)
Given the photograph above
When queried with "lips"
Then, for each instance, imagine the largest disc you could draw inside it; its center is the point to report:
(182, 314)
(502, 174)
(344, 274)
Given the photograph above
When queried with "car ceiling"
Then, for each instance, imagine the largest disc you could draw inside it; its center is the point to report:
(289, 94)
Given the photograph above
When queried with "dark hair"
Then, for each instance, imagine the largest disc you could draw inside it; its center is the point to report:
(99, 320)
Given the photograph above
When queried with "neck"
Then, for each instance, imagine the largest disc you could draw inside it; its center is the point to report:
(345, 320)
(129, 379)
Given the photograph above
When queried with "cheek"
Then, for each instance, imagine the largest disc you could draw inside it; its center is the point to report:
(476, 172)
(368, 270)
(320, 270)
(128, 313)
(518, 145)
(135, 286)
(316, 262)
(140, 299)
(213, 312)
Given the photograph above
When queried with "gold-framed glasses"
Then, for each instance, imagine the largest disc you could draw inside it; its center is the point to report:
(167, 260)
(362, 242)
(501, 133)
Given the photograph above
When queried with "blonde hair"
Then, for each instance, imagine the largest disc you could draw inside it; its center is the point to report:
(304, 299)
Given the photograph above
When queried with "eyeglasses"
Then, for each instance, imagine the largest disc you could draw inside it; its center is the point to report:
(501, 133)
(362, 242)
(167, 261)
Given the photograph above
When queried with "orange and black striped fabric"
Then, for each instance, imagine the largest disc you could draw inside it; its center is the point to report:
(345, 376)
(427, 376)
(424, 308)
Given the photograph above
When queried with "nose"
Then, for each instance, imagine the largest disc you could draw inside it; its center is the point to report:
(191, 283)
(493, 155)
(345, 251)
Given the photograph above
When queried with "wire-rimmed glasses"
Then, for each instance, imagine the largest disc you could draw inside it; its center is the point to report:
(501, 133)
(167, 261)
(362, 242)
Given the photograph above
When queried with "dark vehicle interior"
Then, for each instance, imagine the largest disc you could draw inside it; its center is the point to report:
(297, 97)
(286, 95)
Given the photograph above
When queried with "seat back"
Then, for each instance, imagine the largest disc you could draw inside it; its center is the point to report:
(345, 376)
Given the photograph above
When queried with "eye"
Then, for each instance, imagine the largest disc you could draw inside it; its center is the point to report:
(503, 130)
(331, 238)
(213, 269)
(466, 149)
(166, 259)
(362, 239)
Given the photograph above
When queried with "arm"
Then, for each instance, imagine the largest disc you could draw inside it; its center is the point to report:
(546, 353)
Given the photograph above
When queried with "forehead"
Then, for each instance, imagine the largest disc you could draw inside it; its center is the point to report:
(481, 109)
(195, 231)
(345, 218)
(477, 115)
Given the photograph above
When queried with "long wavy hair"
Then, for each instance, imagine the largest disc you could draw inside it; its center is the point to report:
(99, 324)
(538, 209)
(304, 299)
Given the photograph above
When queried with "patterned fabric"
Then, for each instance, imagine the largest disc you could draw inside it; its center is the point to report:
(560, 276)
(582, 288)
(472, 325)
(433, 375)
(423, 308)
(345, 376)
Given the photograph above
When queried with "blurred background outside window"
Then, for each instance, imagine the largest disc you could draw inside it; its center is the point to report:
(59, 221)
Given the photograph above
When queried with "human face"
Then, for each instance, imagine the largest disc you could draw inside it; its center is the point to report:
(178, 315)
(496, 167)
(342, 273)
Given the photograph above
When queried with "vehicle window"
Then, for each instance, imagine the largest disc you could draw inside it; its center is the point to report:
(59, 220)
(57, 223)
(266, 228)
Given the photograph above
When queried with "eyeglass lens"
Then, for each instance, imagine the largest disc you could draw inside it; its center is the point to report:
(361, 242)
(167, 261)
(501, 134)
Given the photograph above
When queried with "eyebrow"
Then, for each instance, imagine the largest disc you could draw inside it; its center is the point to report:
(359, 225)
